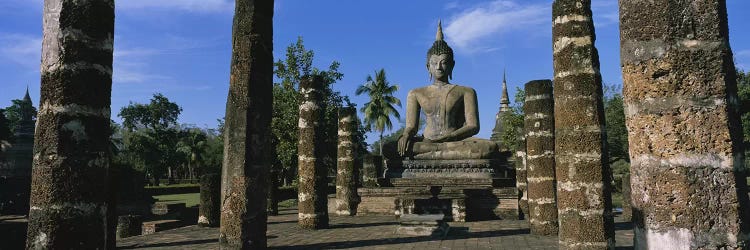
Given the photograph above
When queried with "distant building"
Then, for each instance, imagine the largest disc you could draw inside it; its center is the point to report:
(497, 132)
(15, 164)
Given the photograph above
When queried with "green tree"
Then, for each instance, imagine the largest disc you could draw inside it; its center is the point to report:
(192, 144)
(151, 135)
(160, 113)
(5, 134)
(14, 112)
(378, 111)
(513, 122)
(289, 72)
(614, 116)
(214, 150)
(743, 91)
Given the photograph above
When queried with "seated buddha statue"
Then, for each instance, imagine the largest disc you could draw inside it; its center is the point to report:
(451, 113)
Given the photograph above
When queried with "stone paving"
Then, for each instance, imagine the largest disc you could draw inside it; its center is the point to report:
(368, 232)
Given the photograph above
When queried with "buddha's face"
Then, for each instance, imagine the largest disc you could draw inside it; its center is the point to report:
(440, 66)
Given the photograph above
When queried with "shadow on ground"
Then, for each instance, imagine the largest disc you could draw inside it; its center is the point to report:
(170, 244)
(455, 233)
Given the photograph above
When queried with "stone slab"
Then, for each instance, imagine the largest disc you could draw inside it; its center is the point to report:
(167, 208)
(440, 230)
(480, 203)
(151, 227)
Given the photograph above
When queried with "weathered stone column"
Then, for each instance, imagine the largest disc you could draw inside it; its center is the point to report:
(210, 200)
(346, 189)
(584, 199)
(313, 198)
(521, 184)
(681, 104)
(627, 208)
(70, 173)
(128, 225)
(273, 192)
(372, 166)
(539, 124)
(248, 122)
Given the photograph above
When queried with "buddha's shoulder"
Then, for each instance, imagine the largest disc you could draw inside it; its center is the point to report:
(463, 89)
(419, 91)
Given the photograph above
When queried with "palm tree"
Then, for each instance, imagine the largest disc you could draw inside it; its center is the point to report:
(379, 109)
(192, 145)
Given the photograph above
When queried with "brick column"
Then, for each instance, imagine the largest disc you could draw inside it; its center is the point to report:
(248, 122)
(627, 208)
(346, 189)
(583, 176)
(521, 184)
(372, 166)
(313, 199)
(210, 196)
(680, 95)
(69, 187)
(539, 124)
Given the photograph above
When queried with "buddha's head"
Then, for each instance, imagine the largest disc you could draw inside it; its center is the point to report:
(440, 57)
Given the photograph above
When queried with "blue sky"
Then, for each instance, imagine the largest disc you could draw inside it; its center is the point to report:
(181, 48)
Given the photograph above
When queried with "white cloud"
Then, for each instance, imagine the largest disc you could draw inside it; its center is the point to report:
(198, 6)
(21, 49)
(185, 5)
(451, 5)
(606, 13)
(471, 29)
(131, 65)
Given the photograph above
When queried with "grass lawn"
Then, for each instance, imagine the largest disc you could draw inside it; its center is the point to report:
(191, 199)
(174, 185)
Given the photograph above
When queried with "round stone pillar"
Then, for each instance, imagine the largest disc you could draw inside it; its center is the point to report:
(539, 124)
(520, 164)
(70, 193)
(312, 197)
(346, 189)
(681, 109)
(583, 176)
(210, 197)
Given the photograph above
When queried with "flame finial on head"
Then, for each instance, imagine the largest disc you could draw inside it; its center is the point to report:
(440, 47)
(439, 35)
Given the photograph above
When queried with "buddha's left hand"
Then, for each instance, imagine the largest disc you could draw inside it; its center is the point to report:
(443, 138)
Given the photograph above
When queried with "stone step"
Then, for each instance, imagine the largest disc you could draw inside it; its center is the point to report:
(162, 208)
(151, 227)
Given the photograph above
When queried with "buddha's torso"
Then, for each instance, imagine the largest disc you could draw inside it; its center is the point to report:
(443, 107)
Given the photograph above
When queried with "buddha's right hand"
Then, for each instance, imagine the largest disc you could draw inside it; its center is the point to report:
(403, 145)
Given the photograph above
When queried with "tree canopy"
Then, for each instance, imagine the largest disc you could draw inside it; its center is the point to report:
(159, 114)
(14, 113)
(297, 64)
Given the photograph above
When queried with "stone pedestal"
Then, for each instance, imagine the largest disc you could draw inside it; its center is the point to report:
(467, 169)
(469, 203)
(423, 225)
